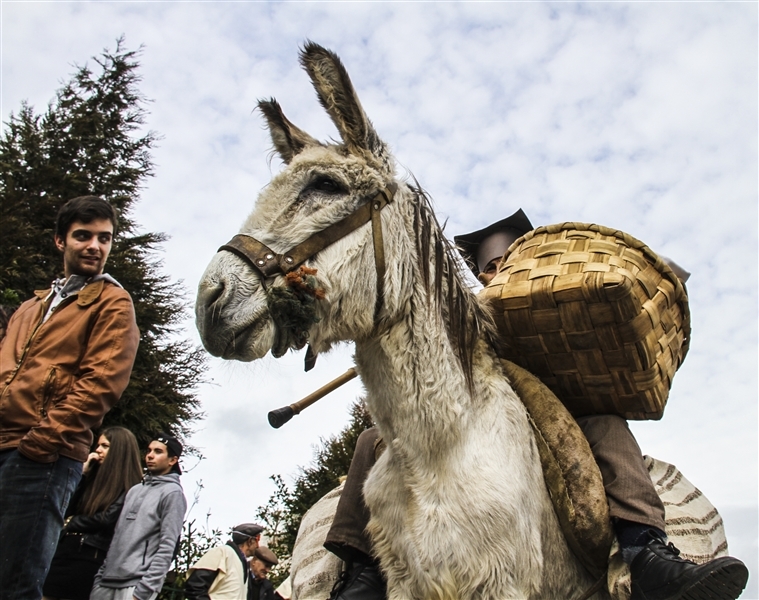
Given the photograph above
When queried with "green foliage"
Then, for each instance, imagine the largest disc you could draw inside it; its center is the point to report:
(279, 521)
(284, 511)
(91, 140)
(193, 544)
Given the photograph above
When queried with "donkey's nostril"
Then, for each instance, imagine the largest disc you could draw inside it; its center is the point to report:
(208, 296)
(214, 294)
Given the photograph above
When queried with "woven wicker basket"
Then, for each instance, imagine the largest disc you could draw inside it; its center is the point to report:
(596, 315)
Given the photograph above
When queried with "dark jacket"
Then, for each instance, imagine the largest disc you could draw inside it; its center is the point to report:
(59, 378)
(96, 530)
(260, 589)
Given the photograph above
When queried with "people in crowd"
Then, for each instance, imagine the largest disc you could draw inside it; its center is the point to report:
(259, 586)
(65, 360)
(222, 572)
(657, 570)
(148, 529)
(109, 472)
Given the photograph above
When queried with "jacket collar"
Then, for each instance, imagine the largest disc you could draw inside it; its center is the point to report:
(89, 293)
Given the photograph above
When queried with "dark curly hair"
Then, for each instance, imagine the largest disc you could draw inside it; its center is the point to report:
(85, 209)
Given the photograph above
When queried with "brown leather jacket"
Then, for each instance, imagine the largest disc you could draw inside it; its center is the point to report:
(59, 378)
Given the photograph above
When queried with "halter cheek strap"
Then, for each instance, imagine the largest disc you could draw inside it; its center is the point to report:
(268, 263)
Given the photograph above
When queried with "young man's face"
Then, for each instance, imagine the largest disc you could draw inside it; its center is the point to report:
(86, 247)
(492, 249)
(158, 460)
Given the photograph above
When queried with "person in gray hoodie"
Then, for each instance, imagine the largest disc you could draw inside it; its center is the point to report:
(147, 531)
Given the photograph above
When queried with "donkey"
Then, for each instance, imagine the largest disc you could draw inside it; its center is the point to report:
(458, 502)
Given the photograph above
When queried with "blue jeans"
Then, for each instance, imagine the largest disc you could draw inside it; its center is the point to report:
(33, 501)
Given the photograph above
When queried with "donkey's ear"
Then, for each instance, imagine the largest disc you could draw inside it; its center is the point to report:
(287, 138)
(339, 99)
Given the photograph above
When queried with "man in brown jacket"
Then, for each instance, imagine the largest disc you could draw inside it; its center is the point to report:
(65, 360)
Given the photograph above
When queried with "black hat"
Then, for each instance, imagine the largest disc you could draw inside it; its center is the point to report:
(468, 244)
(266, 556)
(173, 446)
(245, 531)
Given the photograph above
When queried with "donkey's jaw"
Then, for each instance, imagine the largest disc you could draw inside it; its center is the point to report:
(231, 315)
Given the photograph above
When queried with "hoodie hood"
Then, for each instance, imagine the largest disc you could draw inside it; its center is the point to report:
(159, 479)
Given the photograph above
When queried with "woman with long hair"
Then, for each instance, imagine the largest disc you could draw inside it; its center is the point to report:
(109, 472)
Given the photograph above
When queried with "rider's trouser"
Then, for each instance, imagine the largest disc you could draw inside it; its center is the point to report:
(628, 485)
(348, 531)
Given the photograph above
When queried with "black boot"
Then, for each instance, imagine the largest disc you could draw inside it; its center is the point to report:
(361, 580)
(658, 573)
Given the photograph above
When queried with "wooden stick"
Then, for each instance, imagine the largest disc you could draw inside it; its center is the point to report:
(280, 416)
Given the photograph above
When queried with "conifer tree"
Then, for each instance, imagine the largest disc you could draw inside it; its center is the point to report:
(90, 141)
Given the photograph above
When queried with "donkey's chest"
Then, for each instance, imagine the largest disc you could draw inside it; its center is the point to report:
(480, 487)
(421, 530)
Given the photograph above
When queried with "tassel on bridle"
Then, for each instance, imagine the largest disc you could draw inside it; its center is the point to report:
(293, 309)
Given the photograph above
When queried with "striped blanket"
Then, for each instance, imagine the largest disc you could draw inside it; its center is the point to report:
(693, 525)
(314, 570)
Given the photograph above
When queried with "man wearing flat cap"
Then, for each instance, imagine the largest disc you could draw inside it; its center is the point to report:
(222, 572)
(148, 529)
(259, 586)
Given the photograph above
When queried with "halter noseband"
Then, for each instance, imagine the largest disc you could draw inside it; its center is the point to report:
(268, 263)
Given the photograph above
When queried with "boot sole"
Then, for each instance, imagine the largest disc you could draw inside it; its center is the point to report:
(724, 581)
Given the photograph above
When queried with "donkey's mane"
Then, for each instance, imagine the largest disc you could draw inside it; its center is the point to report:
(465, 318)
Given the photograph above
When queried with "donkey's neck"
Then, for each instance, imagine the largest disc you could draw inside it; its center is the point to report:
(418, 371)
(417, 390)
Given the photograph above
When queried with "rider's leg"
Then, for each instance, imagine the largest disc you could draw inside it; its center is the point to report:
(629, 489)
(657, 571)
(347, 537)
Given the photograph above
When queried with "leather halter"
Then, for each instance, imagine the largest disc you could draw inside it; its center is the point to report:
(269, 264)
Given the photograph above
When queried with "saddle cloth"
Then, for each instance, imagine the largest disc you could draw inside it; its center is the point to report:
(571, 474)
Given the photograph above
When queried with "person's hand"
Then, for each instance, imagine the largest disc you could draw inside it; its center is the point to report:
(93, 458)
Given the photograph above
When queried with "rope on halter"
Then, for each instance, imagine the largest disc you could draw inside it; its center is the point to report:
(293, 309)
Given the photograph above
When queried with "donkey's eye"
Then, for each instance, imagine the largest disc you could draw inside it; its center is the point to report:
(327, 185)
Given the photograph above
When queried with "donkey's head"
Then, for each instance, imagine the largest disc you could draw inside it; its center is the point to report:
(334, 209)
(371, 251)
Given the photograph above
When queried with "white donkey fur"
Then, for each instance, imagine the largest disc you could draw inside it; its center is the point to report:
(459, 507)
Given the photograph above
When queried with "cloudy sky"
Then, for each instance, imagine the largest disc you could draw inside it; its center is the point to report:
(638, 116)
